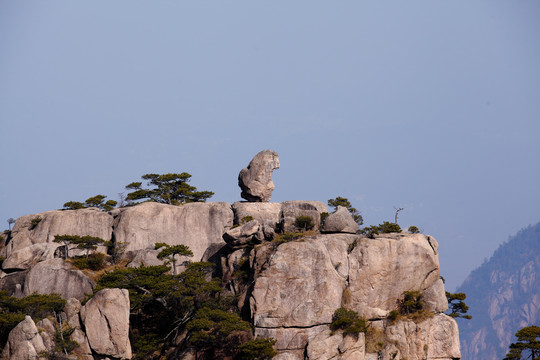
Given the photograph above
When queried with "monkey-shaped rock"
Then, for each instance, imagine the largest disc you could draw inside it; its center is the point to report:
(255, 180)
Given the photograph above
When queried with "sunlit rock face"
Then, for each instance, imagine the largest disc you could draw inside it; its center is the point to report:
(255, 180)
(197, 225)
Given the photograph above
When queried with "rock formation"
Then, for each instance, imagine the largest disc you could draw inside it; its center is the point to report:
(24, 342)
(292, 281)
(255, 180)
(106, 320)
(197, 225)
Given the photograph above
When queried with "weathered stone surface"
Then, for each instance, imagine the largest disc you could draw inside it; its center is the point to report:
(57, 276)
(324, 346)
(91, 222)
(434, 338)
(71, 310)
(30, 255)
(340, 221)
(435, 297)
(24, 342)
(353, 347)
(13, 283)
(381, 269)
(265, 213)
(288, 292)
(290, 210)
(255, 180)
(83, 351)
(251, 232)
(106, 320)
(47, 332)
(197, 225)
(291, 338)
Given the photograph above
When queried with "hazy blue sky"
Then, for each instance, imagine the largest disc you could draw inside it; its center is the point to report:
(433, 106)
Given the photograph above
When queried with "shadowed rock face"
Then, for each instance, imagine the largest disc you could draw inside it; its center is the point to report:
(256, 179)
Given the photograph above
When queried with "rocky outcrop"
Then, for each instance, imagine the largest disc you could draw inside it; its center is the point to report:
(264, 213)
(340, 221)
(251, 232)
(368, 276)
(28, 256)
(290, 210)
(28, 230)
(24, 342)
(56, 276)
(197, 225)
(106, 320)
(289, 286)
(381, 269)
(255, 180)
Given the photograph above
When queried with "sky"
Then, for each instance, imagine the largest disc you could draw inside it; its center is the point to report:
(430, 106)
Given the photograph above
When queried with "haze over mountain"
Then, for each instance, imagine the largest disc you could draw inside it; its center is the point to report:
(503, 295)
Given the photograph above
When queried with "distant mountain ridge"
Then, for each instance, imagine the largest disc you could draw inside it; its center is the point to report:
(503, 295)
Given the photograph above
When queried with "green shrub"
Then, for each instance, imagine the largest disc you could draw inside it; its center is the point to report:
(348, 321)
(388, 227)
(38, 306)
(304, 222)
(35, 222)
(370, 231)
(257, 349)
(385, 227)
(413, 230)
(94, 262)
(393, 315)
(246, 219)
(324, 215)
(413, 301)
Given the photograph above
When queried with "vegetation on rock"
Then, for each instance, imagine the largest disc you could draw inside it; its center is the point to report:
(38, 306)
(169, 252)
(341, 201)
(304, 222)
(170, 189)
(385, 227)
(94, 201)
(348, 321)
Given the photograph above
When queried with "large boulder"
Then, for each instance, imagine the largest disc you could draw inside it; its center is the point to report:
(106, 320)
(84, 222)
(290, 210)
(197, 225)
(24, 342)
(57, 276)
(340, 221)
(28, 256)
(255, 180)
(265, 213)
